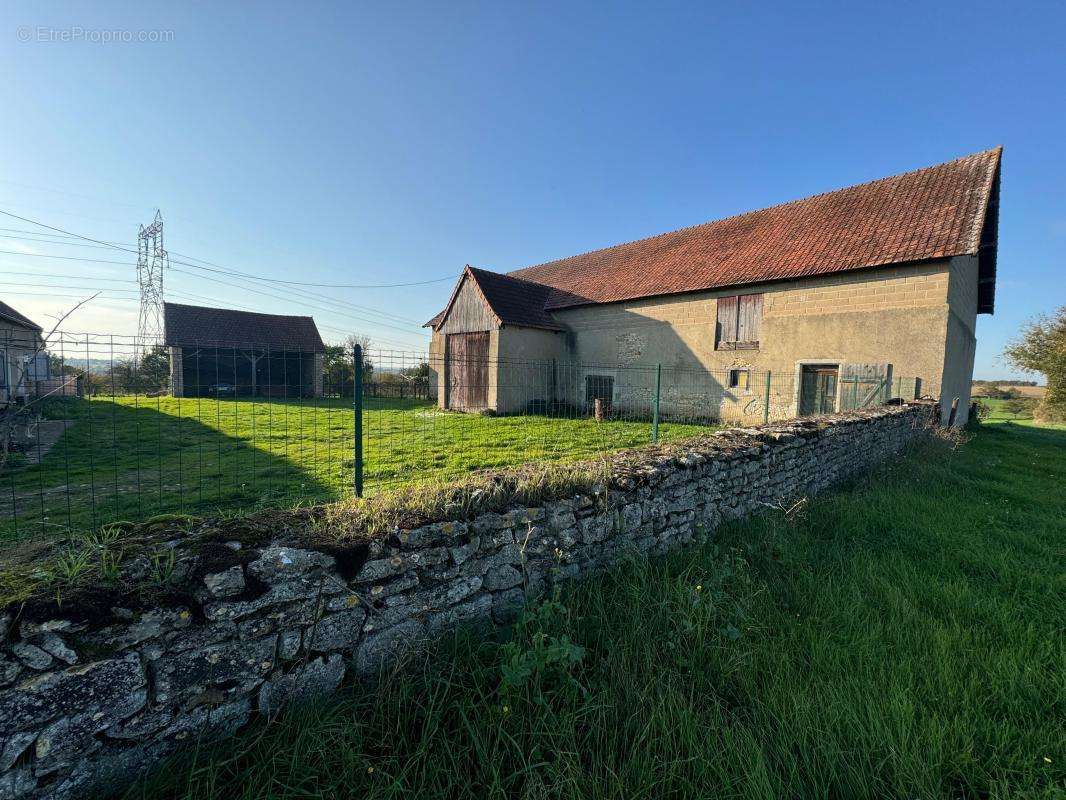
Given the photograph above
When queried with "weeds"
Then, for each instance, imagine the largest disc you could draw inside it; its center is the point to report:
(462, 499)
(541, 660)
(70, 566)
(161, 566)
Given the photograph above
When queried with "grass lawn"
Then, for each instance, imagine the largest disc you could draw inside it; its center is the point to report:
(1000, 413)
(134, 457)
(903, 638)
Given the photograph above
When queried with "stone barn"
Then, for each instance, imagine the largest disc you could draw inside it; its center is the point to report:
(222, 352)
(843, 289)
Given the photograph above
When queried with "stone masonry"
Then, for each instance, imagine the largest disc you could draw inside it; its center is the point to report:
(86, 706)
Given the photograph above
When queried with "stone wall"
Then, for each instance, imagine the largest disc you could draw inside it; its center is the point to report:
(87, 701)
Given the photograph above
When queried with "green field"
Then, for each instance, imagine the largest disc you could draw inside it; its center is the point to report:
(900, 639)
(133, 457)
(1001, 413)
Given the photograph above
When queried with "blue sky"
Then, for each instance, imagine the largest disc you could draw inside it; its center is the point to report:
(368, 144)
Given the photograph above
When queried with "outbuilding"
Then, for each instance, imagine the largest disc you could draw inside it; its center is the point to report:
(219, 352)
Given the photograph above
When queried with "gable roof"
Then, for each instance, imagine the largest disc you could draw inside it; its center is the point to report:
(511, 300)
(225, 327)
(930, 213)
(12, 316)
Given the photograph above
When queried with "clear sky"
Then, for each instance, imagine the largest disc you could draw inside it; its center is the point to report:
(396, 142)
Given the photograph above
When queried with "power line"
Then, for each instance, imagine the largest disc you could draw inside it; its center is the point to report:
(52, 239)
(298, 292)
(319, 285)
(51, 294)
(109, 294)
(237, 273)
(324, 298)
(52, 285)
(289, 299)
(220, 270)
(200, 297)
(62, 275)
(69, 258)
(68, 233)
(204, 277)
(66, 193)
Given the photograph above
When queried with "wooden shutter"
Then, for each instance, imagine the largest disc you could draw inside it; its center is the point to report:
(726, 329)
(749, 317)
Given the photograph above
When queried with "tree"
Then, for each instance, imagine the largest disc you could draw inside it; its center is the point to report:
(338, 375)
(1019, 407)
(419, 373)
(1041, 347)
(154, 372)
(365, 342)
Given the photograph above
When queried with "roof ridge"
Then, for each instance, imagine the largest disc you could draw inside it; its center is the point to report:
(241, 311)
(511, 276)
(997, 148)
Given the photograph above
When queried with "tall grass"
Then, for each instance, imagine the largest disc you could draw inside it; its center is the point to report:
(900, 639)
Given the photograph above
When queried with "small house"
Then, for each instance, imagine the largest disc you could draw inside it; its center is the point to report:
(23, 360)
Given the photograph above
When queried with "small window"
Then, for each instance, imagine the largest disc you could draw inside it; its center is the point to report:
(739, 378)
(3, 369)
(598, 387)
(739, 321)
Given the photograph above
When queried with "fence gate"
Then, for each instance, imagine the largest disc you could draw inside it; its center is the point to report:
(864, 385)
(467, 371)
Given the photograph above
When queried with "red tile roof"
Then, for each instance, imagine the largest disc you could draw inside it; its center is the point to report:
(513, 301)
(930, 213)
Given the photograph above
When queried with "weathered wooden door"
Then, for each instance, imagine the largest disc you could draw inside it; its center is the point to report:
(818, 390)
(467, 371)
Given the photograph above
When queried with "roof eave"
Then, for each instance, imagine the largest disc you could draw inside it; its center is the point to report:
(751, 284)
(552, 328)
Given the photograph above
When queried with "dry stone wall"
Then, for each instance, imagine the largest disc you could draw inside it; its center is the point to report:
(87, 704)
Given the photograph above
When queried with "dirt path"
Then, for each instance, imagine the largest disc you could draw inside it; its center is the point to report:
(43, 437)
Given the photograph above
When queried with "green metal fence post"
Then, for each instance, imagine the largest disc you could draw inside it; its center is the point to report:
(766, 401)
(357, 407)
(655, 407)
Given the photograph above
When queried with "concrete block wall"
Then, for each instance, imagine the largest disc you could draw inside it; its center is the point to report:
(89, 702)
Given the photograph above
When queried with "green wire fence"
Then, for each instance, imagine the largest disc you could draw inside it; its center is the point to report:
(101, 428)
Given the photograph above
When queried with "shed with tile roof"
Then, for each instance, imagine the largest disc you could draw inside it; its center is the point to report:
(225, 352)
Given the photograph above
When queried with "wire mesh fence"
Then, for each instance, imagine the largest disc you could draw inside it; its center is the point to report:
(100, 428)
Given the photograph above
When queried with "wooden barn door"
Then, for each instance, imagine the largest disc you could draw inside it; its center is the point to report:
(818, 390)
(467, 371)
